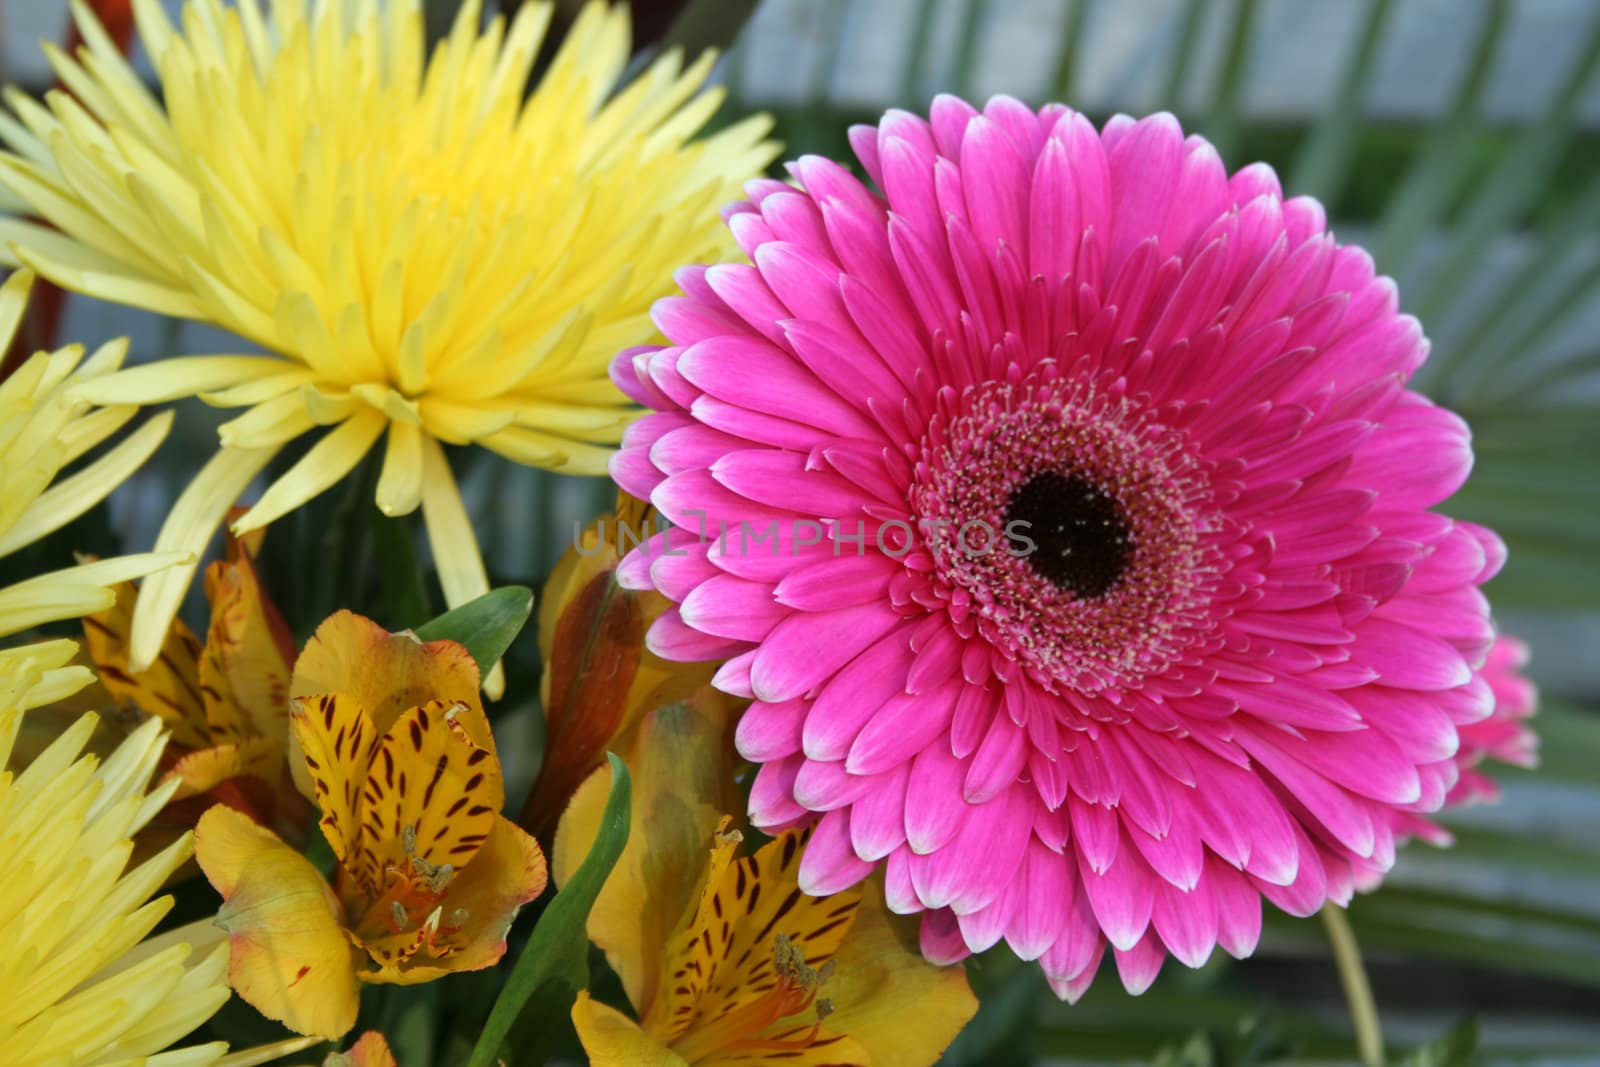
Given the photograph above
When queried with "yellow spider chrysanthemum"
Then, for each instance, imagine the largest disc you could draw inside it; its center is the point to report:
(78, 986)
(427, 248)
(43, 428)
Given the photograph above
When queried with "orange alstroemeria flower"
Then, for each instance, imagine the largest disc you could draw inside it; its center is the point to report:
(723, 959)
(599, 678)
(390, 739)
(226, 702)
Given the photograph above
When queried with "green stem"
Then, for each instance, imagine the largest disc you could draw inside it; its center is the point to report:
(1357, 990)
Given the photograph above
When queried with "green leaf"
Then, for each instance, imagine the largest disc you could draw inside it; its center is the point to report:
(1455, 1049)
(321, 855)
(1182, 55)
(1067, 58)
(1195, 1052)
(486, 626)
(1009, 998)
(403, 596)
(1324, 160)
(1436, 175)
(1223, 122)
(554, 965)
(914, 75)
(967, 46)
(1521, 174)
(1528, 308)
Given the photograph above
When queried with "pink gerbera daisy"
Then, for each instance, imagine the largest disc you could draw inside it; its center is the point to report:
(1064, 511)
(1504, 736)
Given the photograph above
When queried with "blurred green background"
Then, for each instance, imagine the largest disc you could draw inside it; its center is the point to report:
(1459, 141)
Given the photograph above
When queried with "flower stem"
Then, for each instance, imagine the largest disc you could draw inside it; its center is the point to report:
(1357, 990)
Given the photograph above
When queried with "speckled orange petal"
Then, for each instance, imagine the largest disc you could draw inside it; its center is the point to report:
(803, 1044)
(337, 740)
(508, 872)
(467, 931)
(202, 771)
(247, 653)
(386, 673)
(289, 955)
(372, 1050)
(432, 793)
(723, 959)
(390, 955)
(169, 690)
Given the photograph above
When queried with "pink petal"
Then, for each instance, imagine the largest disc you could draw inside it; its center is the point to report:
(940, 938)
(1186, 922)
(1043, 891)
(725, 606)
(830, 865)
(670, 638)
(1121, 897)
(1408, 658)
(804, 650)
(824, 786)
(877, 818)
(772, 803)
(902, 727)
(1138, 966)
(935, 810)
(768, 732)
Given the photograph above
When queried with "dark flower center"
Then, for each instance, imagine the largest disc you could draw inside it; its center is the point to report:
(1082, 543)
(1122, 578)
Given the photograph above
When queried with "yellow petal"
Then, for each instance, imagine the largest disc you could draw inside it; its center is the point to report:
(328, 461)
(108, 572)
(726, 950)
(611, 1039)
(104, 284)
(57, 685)
(268, 424)
(72, 496)
(181, 376)
(400, 486)
(76, 591)
(902, 1009)
(24, 607)
(82, 434)
(463, 423)
(455, 547)
(289, 956)
(262, 1054)
(14, 302)
(189, 527)
(258, 390)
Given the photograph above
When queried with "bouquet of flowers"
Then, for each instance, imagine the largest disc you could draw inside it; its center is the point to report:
(1026, 542)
